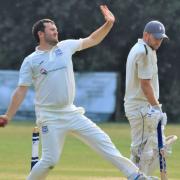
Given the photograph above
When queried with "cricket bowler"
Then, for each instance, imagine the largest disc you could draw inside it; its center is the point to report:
(142, 105)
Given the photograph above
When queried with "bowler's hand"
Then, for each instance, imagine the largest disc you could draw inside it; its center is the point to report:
(108, 15)
(3, 120)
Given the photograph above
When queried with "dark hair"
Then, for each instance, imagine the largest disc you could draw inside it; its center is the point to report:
(39, 26)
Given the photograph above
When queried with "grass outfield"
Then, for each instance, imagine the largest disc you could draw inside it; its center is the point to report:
(78, 162)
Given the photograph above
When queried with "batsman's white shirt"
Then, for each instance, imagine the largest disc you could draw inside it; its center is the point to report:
(51, 73)
(141, 64)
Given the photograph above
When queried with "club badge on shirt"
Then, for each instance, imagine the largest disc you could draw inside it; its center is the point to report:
(58, 52)
(44, 129)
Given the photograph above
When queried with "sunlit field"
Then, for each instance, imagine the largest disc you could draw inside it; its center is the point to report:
(78, 162)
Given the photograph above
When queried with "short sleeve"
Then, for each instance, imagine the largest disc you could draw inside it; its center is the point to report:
(25, 74)
(144, 66)
(72, 44)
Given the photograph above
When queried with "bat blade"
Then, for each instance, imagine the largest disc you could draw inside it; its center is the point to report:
(163, 171)
(162, 159)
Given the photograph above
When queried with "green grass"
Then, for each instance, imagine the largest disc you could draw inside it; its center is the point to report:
(78, 162)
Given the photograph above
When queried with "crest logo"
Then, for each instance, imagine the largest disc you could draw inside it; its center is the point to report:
(44, 129)
(58, 52)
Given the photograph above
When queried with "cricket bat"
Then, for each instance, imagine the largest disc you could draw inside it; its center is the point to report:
(162, 160)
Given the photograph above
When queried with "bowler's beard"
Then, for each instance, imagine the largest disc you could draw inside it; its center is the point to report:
(51, 41)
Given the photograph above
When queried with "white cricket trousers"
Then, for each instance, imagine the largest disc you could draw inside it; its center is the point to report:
(53, 133)
(144, 148)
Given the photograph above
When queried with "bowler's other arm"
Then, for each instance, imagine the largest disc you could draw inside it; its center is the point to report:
(16, 100)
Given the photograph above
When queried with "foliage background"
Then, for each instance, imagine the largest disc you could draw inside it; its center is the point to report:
(78, 18)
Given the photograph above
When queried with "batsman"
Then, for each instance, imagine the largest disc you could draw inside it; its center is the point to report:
(142, 106)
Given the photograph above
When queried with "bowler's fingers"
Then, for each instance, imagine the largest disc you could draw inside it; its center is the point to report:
(4, 117)
(107, 13)
(104, 10)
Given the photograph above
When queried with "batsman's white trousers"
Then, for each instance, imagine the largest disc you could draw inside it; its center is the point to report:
(144, 149)
(53, 132)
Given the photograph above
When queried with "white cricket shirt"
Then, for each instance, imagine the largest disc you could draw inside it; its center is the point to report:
(51, 73)
(141, 64)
